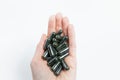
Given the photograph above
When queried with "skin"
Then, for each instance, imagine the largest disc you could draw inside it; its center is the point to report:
(40, 70)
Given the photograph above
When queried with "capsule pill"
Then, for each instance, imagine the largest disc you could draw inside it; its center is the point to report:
(57, 72)
(59, 32)
(52, 61)
(64, 64)
(45, 55)
(50, 50)
(55, 66)
(47, 42)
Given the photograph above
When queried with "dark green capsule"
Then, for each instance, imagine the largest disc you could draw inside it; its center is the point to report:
(65, 66)
(59, 32)
(45, 55)
(58, 37)
(65, 38)
(60, 46)
(55, 52)
(63, 56)
(55, 66)
(47, 42)
(57, 72)
(54, 39)
(63, 47)
(50, 50)
(48, 58)
(55, 44)
(52, 35)
(52, 61)
(63, 51)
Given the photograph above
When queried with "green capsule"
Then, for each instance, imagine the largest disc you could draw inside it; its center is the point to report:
(59, 32)
(55, 44)
(55, 52)
(50, 50)
(61, 46)
(58, 37)
(54, 39)
(47, 42)
(55, 66)
(52, 35)
(52, 61)
(63, 56)
(48, 58)
(64, 65)
(59, 69)
(65, 38)
(63, 51)
(45, 55)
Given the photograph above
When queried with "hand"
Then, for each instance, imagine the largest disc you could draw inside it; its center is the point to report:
(40, 70)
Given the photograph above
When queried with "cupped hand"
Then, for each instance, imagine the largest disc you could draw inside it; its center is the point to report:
(40, 70)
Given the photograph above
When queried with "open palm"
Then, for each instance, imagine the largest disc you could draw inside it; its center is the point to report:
(40, 70)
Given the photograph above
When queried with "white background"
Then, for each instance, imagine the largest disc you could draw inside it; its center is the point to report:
(97, 25)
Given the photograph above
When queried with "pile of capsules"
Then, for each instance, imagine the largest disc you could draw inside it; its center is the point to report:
(56, 49)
